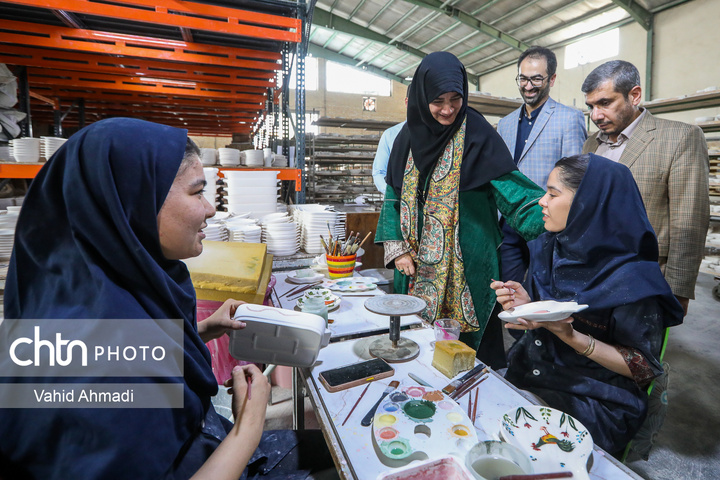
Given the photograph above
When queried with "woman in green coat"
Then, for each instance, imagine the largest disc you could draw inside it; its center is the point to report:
(449, 173)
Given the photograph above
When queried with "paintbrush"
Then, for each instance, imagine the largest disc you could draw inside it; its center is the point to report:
(366, 237)
(460, 392)
(367, 420)
(303, 289)
(455, 384)
(356, 404)
(325, 245)
(474, 412)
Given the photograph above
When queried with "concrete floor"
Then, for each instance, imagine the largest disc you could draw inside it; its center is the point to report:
(688, 446)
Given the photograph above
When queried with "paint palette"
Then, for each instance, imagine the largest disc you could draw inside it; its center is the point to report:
(418, 419)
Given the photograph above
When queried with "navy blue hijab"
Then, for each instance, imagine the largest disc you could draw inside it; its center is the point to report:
(87, 246)
(607, 254)
(485, 155)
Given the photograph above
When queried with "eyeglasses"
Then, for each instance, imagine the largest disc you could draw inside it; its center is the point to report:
(536, 81)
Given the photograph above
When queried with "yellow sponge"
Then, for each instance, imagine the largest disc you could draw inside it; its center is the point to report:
(228, 266)
(452, 357)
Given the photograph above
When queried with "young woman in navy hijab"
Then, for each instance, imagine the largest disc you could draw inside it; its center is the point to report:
(601, 251)
(101, 234)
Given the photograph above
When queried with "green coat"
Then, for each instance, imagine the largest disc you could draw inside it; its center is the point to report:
(515, 196)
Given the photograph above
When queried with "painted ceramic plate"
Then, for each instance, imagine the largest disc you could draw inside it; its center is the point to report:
(332, 302)
(351, 284)
(545, 311)
(554, 440)
(296, 276)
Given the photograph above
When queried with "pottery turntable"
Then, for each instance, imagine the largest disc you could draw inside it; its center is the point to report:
(394, 349)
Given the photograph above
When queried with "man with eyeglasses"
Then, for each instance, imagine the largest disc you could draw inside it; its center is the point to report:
(538, 134)
(669, 161)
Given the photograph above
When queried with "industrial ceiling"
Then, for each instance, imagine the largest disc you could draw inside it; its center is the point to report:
(210, 65)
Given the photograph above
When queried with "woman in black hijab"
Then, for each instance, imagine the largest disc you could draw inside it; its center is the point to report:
(448, 175)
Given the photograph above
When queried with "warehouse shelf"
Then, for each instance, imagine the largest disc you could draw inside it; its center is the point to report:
(688, 102)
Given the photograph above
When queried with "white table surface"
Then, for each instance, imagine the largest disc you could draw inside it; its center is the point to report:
(351, 318)
(352, 444)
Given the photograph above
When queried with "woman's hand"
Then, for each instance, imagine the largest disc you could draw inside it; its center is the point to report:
(562, 328)
(250, 390)
(405, 264)
(510, 294)
(220, 322)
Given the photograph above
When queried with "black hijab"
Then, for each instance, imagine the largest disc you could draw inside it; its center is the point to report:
(607, 254)
(87, 246)
(485, 155)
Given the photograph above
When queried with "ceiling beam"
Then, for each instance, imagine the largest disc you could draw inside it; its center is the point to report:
(26, 33)
(564, 43)
(67, 60)
(69, 19)
(333, 22)
(637, 12)
(181, 13)
(318, 51)
(472, 22)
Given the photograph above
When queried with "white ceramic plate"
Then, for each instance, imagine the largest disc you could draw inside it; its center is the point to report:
(554, 440)
(294, 278)
(544, 311)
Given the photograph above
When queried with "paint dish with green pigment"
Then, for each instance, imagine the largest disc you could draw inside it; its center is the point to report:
(420, 410)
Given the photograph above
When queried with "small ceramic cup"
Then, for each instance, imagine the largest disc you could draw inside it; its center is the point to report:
(493, 459)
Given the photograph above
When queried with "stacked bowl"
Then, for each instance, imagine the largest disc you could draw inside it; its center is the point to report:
(229, 157)
(253, 158)
(253, 192)
(50, 145)
(208, 156)
(210, 193)
(316, 220)
(25, 150)
(280, 234)
(245, 233)
(5, 153)
(279, 160)
(8, 220)
(216, 231)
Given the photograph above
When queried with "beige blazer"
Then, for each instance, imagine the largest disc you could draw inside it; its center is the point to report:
(669, 161)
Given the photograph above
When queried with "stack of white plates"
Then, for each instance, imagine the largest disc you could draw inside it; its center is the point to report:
(208, 156)
(50, 145)
(210, 193)
(25, 150)
(280, 234)
(254, 158)
(253, 192)
(244, 233)
(216, 231)
(316, 220)
(279, 161)
(5, 154)
(8, 220)
(229, 157)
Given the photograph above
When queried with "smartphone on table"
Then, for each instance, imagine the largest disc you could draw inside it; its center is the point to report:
(355, 374)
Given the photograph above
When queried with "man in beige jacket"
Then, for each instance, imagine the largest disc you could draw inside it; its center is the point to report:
(669, 161)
